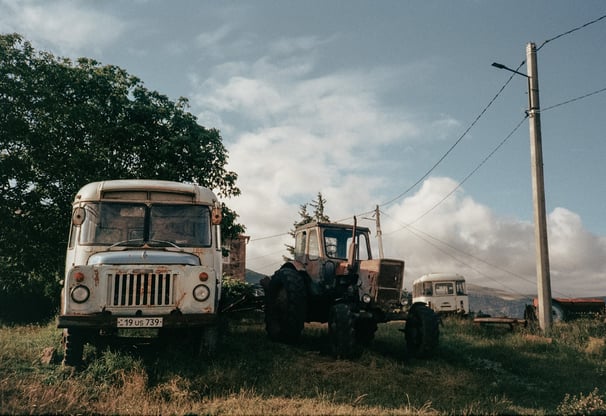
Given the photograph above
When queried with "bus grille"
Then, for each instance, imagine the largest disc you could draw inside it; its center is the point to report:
(141, 289)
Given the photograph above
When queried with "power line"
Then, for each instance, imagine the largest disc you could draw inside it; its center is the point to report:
(268, 237)
(416, 232)
(571, 31)
(486, 108)
(574, 99)
(474, 122)
(469, 175)
(455, 143)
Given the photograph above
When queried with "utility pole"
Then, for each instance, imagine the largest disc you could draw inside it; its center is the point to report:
(379, 233)
(538, 191)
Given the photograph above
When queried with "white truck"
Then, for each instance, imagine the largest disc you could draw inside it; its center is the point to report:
(141, 254)
(445, 293)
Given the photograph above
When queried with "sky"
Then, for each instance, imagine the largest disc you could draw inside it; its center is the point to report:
(380, 103)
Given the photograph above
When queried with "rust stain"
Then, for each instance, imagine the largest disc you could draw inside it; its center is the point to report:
(180, 300)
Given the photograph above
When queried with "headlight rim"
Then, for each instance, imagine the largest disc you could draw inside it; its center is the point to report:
(73, 294)
(201, 298)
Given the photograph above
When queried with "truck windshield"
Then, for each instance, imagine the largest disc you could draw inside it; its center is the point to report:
(108, 223)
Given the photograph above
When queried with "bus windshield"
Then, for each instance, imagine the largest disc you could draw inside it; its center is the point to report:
(108, 223)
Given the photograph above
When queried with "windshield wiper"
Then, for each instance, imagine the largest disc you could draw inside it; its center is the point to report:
(144, 242)
(121, 243)
(165, 242)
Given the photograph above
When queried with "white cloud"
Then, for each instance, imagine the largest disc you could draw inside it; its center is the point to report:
(463, 236)
(66, 27)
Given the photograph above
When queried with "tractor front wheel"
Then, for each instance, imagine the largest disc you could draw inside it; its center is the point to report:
(422, 331)
(342, 332)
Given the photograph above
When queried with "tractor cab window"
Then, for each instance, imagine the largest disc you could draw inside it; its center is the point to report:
(300, 245)
(337, 242)
(313, 249)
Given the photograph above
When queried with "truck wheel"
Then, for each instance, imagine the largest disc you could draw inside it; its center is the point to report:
(73, 347)
(422, 331)
(342, 332)
(286, 306)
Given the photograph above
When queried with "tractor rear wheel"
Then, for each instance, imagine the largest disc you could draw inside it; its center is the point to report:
(286, 306)
(342, 332)
(422, 331)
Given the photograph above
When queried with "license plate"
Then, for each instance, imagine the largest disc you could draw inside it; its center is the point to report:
(140, 322)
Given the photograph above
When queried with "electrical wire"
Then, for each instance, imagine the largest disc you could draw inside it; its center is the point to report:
(473, 123)
(469, 175)
(571, 31)
(417, 233)
(268, 237)
(573, 100)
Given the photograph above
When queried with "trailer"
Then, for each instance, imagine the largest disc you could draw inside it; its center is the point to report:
(566, 309)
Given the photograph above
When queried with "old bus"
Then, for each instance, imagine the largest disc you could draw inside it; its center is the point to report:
(442, 292)
(141, 254)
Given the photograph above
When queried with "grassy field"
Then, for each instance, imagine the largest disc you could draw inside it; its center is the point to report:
(477, 370)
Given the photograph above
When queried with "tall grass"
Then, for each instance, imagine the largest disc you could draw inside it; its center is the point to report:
(477, 370)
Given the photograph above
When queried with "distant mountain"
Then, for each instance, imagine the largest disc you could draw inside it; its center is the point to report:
(495, 302)
(253, 277)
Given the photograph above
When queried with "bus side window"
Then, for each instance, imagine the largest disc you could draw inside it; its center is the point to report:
(313, 247)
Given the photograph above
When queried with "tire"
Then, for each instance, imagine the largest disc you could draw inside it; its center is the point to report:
(285, 306)
(557, 312)
(73, 347)
(422, 331)
(342, 332)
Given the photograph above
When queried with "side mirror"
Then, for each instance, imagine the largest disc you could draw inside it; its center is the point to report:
(217, 216)
(78, 216)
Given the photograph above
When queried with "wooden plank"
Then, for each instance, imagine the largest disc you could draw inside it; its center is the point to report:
(501, 321)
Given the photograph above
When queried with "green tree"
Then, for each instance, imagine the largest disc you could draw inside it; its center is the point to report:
(64, 124)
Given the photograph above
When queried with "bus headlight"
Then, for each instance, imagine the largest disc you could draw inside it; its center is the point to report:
(201, 293)
(366, 298)
(80, 294)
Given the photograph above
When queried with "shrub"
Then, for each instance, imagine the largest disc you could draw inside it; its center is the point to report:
(592, 404)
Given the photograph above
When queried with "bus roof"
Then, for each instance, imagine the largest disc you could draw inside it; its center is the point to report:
(97, 191)
(439, 277)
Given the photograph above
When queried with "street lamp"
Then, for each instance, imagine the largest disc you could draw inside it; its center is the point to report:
(538, 187)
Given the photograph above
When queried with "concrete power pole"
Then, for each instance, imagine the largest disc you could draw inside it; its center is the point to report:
(538, 192)
(379, 232)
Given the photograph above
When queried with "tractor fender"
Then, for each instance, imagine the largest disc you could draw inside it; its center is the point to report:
(295, 265)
